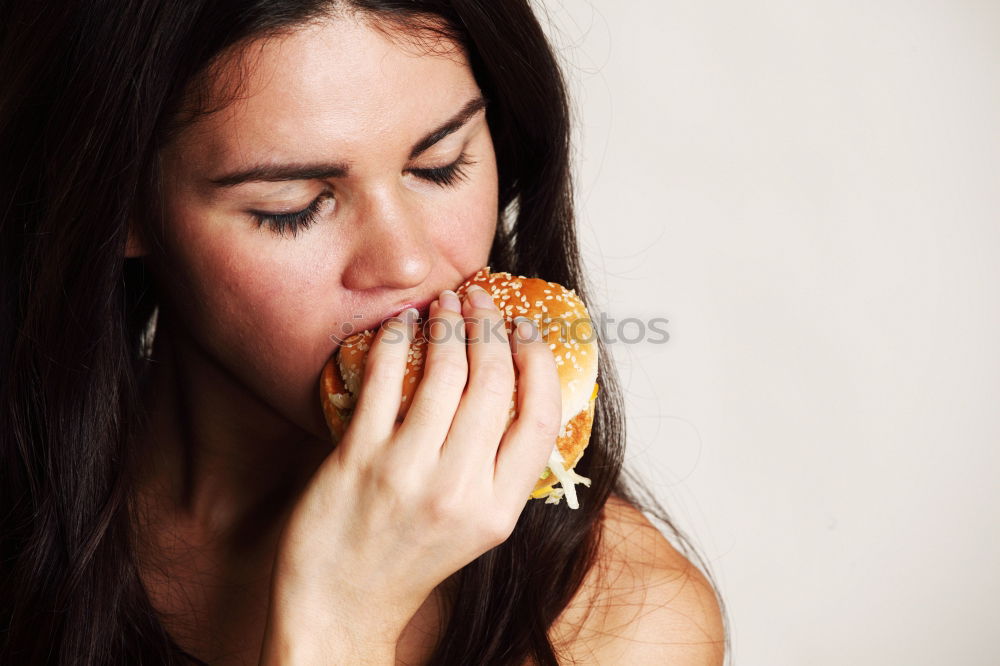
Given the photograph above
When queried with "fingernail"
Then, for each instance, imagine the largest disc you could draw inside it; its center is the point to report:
(526, 330)
(479, 298)
(409, 315)
(448, 300)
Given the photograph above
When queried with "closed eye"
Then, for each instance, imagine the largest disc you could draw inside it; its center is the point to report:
(279, 223)
(446, 176)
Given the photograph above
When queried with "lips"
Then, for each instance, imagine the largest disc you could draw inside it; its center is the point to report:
(422, 306)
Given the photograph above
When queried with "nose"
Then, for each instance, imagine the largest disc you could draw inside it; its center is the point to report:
(393, 249)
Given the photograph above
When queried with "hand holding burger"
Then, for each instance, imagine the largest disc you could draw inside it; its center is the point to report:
(436, 456)
(561, 319)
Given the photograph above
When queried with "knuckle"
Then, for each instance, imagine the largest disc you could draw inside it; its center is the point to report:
(546, 426)
(449, 370)
(498, 530)
(382, 476)
(422, 412)
(444, 508)
(496, 375)
(393, 486)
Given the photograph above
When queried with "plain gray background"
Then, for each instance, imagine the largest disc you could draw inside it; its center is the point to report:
(809, 192)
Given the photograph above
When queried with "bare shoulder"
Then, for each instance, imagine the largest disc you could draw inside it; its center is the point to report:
(642, 603)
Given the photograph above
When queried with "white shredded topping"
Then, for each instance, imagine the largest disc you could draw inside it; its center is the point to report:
(567, 479)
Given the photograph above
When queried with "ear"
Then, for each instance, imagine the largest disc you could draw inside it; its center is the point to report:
(134, 246)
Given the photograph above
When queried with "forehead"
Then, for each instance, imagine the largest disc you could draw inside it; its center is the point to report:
(339, 88)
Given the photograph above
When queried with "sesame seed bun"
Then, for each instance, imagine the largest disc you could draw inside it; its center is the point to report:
(564, 323)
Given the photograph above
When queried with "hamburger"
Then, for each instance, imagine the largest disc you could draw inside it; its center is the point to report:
(563, 322)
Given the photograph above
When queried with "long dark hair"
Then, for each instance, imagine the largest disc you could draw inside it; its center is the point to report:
(90, 92)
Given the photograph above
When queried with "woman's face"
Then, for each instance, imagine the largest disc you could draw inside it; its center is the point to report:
(354, 176)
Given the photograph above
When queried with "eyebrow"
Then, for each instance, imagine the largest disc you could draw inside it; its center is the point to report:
(281, 172)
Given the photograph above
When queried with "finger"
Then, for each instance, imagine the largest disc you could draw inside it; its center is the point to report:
(482, 413)
(525, 449)
(445, 373)
(382, 386)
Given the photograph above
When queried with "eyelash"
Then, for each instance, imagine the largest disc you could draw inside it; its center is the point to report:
(293, 222)
(445, 176)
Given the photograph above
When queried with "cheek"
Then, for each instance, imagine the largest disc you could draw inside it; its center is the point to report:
(259, 304)
(466, 234)
(235, 281)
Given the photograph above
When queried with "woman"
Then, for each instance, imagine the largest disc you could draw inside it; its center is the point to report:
(196, 194)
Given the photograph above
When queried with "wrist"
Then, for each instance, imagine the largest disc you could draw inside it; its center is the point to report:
(296, 636)
(309, 625)
(285, 645)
